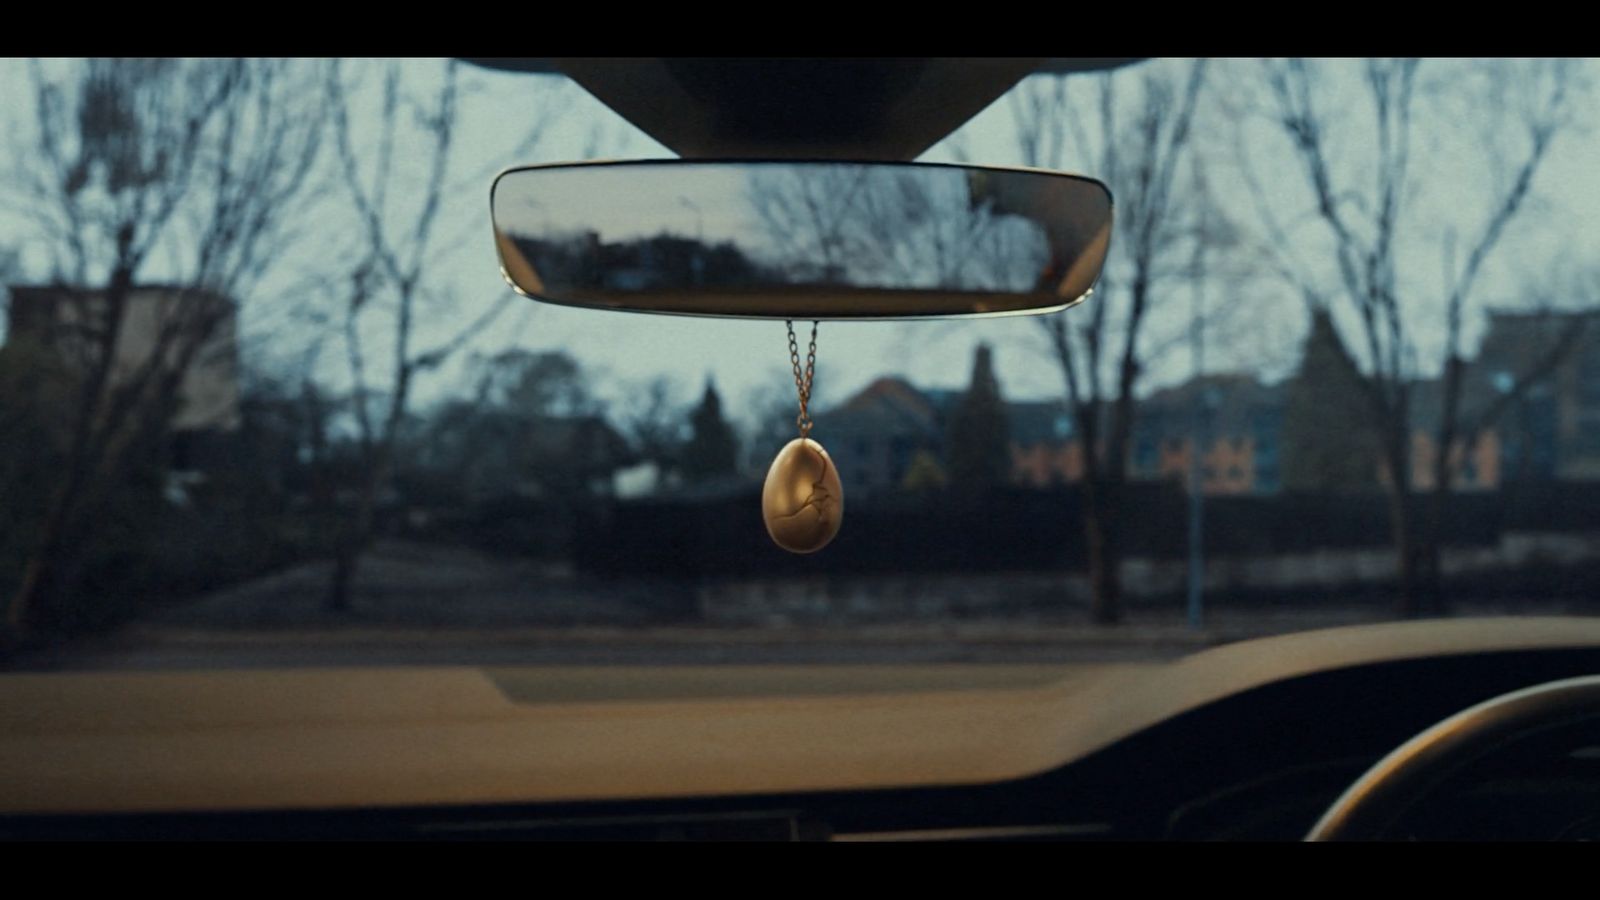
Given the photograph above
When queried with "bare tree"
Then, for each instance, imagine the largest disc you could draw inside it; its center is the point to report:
(653, 420)
(1368, 213)
(514, 431)
(809, 216)
(187, 171)
(766, 421)
(894, 229)
(393, 282)
(1138, 143)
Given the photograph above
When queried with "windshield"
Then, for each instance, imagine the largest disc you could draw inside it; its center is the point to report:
(266, 401)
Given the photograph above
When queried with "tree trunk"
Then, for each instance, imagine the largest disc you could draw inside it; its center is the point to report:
(37, 572)
(54, 550)
(1430, 543)
(1408, 600)
(1105, 559)
(1429, 553)
(344, 572)
(51, 572)
(1394, 447)
(40, 566)
(353, 543)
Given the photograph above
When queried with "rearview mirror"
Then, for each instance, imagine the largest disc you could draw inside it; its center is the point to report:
(801, 240)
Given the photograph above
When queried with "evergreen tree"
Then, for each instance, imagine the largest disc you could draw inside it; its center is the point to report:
(712, 450)
(979, 446)
(924, 474)
(1325, 444)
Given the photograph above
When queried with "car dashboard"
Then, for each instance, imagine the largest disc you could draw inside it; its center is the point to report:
(1245, 742)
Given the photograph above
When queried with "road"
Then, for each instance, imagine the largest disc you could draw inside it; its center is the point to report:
(418, 605)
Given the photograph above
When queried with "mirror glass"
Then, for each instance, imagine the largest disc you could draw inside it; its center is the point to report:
(801, 240)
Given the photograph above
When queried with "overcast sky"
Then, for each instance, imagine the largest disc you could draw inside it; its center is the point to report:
(624, 350)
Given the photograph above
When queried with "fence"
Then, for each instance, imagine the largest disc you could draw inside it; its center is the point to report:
(1022, 530)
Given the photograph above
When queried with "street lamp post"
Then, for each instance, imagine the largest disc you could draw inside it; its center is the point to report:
(1197, 444)
(1195, 602)
(695, 261)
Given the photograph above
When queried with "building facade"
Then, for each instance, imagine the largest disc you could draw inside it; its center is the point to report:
(1530, 409)
(162, 331)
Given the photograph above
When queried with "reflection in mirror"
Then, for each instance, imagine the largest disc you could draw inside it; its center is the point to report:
(808, 240)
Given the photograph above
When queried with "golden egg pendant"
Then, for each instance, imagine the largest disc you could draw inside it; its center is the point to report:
(802, 501)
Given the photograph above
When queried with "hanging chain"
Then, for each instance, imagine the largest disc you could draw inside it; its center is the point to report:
(802, 381)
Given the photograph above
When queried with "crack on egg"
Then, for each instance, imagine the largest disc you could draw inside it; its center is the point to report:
(812, 501)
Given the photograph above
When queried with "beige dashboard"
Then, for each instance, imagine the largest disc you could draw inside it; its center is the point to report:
(332, 738)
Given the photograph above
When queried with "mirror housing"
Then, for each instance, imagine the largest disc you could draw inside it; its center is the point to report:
(785, 239)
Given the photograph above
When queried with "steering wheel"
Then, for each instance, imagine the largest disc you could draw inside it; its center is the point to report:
(1377, 799)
